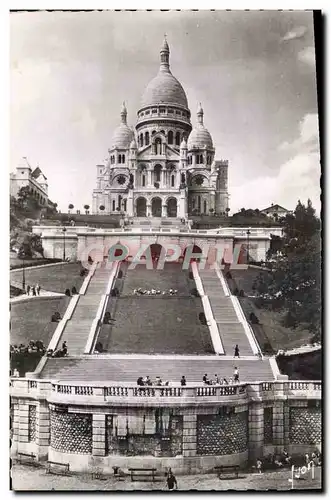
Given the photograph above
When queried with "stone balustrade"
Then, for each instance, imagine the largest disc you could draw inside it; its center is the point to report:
(238, 232)
(62, 392)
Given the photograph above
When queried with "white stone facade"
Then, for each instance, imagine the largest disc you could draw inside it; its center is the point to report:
(163, 168)
(35, 180)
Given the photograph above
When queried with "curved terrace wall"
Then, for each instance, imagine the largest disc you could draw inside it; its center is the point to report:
(190, 429)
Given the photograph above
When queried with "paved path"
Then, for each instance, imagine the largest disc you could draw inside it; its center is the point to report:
(43, 293)
(26, 478)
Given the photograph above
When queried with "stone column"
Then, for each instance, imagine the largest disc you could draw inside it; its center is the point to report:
(149, 178)
(181, 204)
(129, 206)
(255, 430)
(278, 424)
(99, 435)
(190, 433)
(42, 430)
(15, 427)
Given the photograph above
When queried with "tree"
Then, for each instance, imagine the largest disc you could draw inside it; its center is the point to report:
(86, 207)
(70, 207)
(294, 283)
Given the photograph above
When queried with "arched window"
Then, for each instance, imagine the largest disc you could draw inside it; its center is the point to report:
(199, 203)
(193, 202)
(201, 159)
(119, 201)
(119, 158)
(172, 181)
(123, 158)
(198, 159)
(141, 140)
(144, 181)
(146, 138)
(205, 207)
(113, 205)
(157, 172)
(170, 137)
(158, 146)
(124, 205)
(177, 139)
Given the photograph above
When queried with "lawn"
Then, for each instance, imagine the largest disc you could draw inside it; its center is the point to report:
(52, 278)
(156, 324)
(167, 325)
(31, 319)
(271, 329)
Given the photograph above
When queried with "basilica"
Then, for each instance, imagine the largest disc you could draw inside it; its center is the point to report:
(164, 167)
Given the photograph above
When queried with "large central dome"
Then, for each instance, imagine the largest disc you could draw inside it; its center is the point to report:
(164, 88)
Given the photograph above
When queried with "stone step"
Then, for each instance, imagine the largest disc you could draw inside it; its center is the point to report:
(128, 370)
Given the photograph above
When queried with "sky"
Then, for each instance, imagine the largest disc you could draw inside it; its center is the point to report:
(253, 72)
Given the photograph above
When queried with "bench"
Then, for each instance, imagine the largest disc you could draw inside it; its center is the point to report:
(143, 472)
(227, 469)
(26, 458)
(52, 466)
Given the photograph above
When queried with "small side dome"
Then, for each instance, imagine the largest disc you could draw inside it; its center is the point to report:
(123, 135)
(183, 144)
(200, 137)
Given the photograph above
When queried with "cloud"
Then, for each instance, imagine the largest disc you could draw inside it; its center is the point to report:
(307, 55)
(296, 33)
(308, 140)
(298, 178)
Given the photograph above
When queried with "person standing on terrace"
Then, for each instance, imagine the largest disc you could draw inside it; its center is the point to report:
(236, 352)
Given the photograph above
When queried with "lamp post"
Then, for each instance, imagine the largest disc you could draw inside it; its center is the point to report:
(64, 243)
(248, 232)
(23, 270)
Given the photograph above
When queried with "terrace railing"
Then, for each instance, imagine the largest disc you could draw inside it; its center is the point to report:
(99, 393)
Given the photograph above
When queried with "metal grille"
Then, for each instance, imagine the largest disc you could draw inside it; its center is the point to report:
(71, 432)
(222, 434)
(305, 426)
(32, 422)
(268, 424)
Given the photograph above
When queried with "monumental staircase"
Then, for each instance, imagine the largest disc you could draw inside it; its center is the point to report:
(231, 329)
(77, 329)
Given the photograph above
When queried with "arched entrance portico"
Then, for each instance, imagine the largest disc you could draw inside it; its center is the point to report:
(172, 207)
(194, 249)
(156, 250)
(141, 207)
(156, 207)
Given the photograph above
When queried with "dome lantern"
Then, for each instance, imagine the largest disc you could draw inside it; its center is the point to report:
(124, 113)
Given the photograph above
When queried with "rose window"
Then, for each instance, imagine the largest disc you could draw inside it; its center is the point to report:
(121, 179)
(198, 180)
